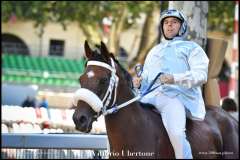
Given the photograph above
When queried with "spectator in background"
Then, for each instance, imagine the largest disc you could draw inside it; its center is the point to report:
(224, 79)
(29, 102)
(229, 105)
(44, 102)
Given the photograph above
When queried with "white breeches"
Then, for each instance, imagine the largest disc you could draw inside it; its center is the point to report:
(174, 120)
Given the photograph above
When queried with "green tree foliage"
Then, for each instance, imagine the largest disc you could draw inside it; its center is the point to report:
(221, 16)
(37, 11)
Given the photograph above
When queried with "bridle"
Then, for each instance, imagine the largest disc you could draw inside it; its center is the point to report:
(113, 84)
(100, 106)
(103, 106)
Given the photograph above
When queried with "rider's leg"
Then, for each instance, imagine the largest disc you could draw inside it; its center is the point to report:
(174, 119)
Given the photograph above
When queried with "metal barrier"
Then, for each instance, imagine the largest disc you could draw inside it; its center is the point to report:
(31, 146)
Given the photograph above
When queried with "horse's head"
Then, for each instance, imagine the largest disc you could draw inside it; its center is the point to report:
(99, 85)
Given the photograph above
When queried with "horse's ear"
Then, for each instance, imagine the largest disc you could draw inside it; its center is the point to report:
(104, 50)
(88, 50)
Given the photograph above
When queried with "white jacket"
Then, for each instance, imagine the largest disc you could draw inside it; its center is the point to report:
(188, 63)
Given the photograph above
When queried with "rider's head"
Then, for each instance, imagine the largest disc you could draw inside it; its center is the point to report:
(173, 24)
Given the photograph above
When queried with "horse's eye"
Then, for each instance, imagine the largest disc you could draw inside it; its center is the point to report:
(103, 80)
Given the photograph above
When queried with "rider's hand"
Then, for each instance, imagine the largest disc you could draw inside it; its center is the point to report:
(137, 81)
(167, 78)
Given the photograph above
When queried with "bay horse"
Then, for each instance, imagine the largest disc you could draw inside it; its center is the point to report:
(136, 131)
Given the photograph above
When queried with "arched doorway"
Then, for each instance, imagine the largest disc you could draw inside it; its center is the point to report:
(12, 44)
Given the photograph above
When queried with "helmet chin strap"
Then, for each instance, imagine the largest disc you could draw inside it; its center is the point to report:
(168, 38)
(171, 38)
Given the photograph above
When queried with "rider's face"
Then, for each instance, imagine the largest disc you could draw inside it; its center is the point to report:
(171, 26)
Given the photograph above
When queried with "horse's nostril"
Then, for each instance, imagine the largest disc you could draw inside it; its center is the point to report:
(79, 120)
(82, 119)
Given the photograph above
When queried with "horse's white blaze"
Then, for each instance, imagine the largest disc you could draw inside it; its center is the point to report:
(89, 97)
(90, 74)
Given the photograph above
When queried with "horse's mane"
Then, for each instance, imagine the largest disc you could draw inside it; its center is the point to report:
(127, 76)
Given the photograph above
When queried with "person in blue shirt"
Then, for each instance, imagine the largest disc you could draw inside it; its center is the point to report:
(44, 103)
(185, 67)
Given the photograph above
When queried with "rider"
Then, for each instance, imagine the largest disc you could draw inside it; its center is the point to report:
(185, 67)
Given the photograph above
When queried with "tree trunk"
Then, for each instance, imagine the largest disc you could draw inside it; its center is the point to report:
(116, 29)
(196, 14)
(149, 36)
(40, 35)
(92, 36)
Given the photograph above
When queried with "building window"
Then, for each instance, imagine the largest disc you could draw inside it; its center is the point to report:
(56, 48)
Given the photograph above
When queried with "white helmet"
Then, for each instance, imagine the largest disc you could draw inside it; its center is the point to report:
(175, 13)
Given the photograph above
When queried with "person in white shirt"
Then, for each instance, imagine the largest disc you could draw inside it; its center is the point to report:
(185, 67)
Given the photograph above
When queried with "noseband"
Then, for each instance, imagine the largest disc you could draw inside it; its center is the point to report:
(92, 99)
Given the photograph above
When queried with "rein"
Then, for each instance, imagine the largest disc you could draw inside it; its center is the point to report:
(100, 106)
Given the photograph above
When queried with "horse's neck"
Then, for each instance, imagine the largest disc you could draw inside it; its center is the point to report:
(127, 118)
(123, 126)
(124, 116)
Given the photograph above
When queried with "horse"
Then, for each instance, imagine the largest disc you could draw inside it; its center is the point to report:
(135, 130)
